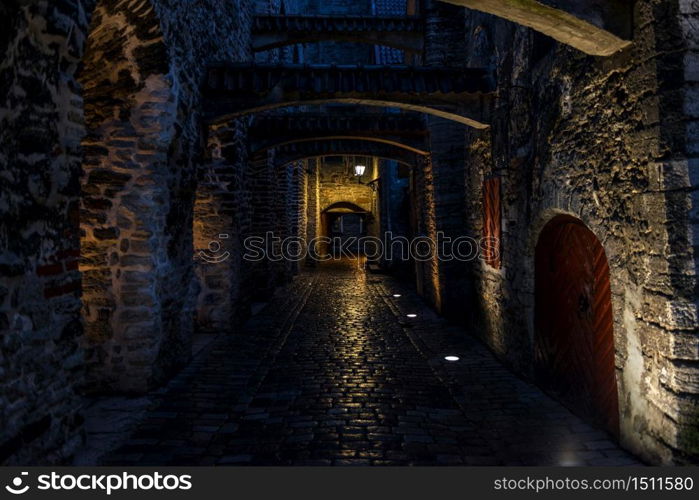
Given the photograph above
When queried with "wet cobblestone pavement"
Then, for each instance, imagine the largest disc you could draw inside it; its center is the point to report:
(334, 373)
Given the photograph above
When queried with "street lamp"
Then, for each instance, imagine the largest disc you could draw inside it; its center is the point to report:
(359, 170)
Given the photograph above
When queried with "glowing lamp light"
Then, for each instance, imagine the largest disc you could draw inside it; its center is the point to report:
(452, 359)
(411, 315)
(359, 170)
(397, 295)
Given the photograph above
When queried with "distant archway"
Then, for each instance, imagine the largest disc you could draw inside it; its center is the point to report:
(344, 207)
(406, 160)
(574, 344)
(399, 143)
(343, 220)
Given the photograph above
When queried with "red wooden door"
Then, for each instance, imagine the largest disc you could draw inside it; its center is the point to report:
(492, 222)
(575, 337)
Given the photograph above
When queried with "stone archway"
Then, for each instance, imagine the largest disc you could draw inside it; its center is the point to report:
(574, 26)
(416, 148)
(332, 217)
(462, 95)
(574, 343)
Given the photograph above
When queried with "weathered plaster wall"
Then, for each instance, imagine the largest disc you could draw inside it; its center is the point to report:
(610, 142)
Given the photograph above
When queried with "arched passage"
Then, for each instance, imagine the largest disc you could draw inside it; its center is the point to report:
(344, 220)
(574, 344)
(129, 115)
(344, 147)
(376, 103)
(414, 147)
(464, 95)
(344, 207)
(405, 160)
(570, 26)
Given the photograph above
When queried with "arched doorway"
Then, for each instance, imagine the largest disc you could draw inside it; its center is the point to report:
(344, 220)
(346, 230)
(574, 345)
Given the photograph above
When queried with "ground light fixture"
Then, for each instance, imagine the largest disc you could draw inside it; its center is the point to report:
(452, 359)
(411, 315)
(396, 295)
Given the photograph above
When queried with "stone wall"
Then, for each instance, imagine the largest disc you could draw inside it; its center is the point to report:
(281, 188)
(297, 207)
(145, 109)
(444, 282)
(269, 188)
(313, 229)
(142, 70)
(221, 219)
(606, 140)
(394, 200)
(40, 132)
(130, 115)
(424, 225)
(261, 172)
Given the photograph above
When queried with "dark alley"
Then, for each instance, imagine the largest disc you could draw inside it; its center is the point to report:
(349, 232)
(339, 375)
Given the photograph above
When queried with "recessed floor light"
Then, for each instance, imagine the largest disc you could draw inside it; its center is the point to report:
(452, 358)
(397, 295)
(411, 315)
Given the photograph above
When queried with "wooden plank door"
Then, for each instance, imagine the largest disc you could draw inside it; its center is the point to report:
(574, 321)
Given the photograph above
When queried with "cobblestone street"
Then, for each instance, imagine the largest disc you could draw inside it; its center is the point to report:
(333, 372)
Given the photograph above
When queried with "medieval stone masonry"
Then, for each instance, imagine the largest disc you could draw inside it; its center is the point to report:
(145, 144)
